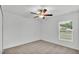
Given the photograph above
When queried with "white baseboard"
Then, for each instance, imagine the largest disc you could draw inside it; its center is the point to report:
(62, 45)
(10, 46)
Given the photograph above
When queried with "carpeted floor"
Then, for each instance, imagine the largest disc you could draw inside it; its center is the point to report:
(40, 47)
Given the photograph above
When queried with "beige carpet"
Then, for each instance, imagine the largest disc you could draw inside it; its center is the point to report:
(40, 47)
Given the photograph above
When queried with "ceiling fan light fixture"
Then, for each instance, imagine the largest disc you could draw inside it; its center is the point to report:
(41, 13)
(41, 16)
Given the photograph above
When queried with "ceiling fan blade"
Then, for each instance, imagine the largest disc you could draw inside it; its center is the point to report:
(36, 16)
(33, 13)
(48, 15)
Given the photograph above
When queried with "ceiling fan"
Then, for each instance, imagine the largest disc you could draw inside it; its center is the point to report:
(41, 13)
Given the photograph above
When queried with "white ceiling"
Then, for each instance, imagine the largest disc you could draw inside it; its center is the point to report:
(24, 10)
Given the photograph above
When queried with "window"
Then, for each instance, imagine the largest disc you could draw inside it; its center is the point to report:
(65, 30)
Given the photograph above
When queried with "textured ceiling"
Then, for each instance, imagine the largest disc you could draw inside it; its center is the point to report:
(24, 10)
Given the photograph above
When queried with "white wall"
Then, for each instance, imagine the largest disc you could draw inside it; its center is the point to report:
(0, 32)
(51, 29)
(19, 30)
